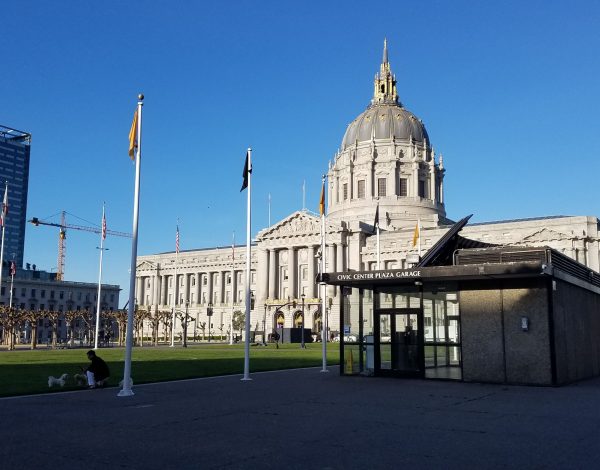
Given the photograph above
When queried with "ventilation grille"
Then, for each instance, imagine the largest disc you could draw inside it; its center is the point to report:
(575, 269)
(464, 257)
(544, 255)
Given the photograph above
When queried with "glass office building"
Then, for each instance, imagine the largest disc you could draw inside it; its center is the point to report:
(14, 169)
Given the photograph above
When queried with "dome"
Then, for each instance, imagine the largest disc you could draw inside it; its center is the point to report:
(384, 121)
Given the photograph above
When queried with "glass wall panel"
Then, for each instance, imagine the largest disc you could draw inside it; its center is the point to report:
(356, 331)
(442, 341)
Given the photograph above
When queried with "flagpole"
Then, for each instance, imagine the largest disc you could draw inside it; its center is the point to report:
(248, 261)
(269, 209)
(322, 284)
(304, 195)
(12, 280)
(232, 288)
(99, 281)
(378, 248)
(175, 287)
(4, 214)
(126, 391)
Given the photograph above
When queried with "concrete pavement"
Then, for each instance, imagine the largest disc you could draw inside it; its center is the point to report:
(305, 419)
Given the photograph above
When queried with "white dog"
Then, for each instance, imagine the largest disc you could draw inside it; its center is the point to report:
(52, 381)
(130, 383)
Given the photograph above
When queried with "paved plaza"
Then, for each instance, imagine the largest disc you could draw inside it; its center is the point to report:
(306, 419)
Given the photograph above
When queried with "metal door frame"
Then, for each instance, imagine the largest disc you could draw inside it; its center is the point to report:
(378, 371)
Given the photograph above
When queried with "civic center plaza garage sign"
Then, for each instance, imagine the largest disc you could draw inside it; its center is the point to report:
(375, 275)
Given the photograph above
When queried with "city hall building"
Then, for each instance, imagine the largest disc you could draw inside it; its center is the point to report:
(449, 310)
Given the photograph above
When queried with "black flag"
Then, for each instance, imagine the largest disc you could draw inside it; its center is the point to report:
(247, 169)
(376, 222)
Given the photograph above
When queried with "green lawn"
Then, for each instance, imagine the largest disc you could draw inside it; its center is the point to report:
(25, 372)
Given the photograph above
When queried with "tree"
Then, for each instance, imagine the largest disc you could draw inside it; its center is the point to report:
(239, 321)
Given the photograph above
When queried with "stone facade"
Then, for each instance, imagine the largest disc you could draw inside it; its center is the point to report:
(386, 161)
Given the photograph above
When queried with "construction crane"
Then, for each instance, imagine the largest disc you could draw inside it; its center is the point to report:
(62, 237)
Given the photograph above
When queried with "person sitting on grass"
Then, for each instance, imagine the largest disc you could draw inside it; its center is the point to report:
(97, 372)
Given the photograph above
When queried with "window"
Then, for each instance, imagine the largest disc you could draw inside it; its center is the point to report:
(23, 293)
(228, 279)
(361, 189)
(422, 188)
(61, 294)
(345, 191)
(33, 293)
(112, 297)
(403, 187)
(381, 187)
(204, 280)
(43, 293)
(2, 291)
(51, 294)
(193, 281)
(304, 272)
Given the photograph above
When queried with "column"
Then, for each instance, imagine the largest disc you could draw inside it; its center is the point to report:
(272, 273)
(311, 273)
(209, 287)
(186, 286)
(415, 185)
(330, 258)
(339, 257)
(292, 272)
(223, 276)
(233, 286)
(262, 269)
(198, 288)
(138, 290)
(163, 290)
(152, 289)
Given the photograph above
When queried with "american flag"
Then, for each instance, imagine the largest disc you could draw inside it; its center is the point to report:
(177, 240)
(103, 227)
(13, 268)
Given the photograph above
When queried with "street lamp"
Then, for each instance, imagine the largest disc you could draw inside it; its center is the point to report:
(185, 324)
(265, 326)
(302, 324)
(209, 314)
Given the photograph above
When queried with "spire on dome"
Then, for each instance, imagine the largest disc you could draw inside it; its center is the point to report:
(385, 81)
(385, 55)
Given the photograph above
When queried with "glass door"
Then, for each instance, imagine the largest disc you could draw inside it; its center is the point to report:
(399, 343)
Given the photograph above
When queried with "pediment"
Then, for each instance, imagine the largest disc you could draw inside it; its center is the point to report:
(297, 224)
(146, 266)
(544, 235)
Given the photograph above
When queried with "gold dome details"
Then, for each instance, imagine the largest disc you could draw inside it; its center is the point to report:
(385, 82)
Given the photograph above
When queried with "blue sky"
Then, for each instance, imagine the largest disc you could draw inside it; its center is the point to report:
(508, 92)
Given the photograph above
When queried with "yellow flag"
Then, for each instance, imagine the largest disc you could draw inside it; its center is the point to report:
(133, 133)
(322, 200)
(416, 235)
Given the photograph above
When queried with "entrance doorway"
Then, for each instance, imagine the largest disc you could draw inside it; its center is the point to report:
(399, 342)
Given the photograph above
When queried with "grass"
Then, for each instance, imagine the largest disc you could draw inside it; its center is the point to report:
(25, 372)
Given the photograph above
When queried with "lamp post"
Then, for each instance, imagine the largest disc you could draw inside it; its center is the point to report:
(302, 324)
(185, 324)
(209, 314)
(265, 326)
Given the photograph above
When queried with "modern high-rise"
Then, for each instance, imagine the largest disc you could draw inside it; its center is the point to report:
(14, 169)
